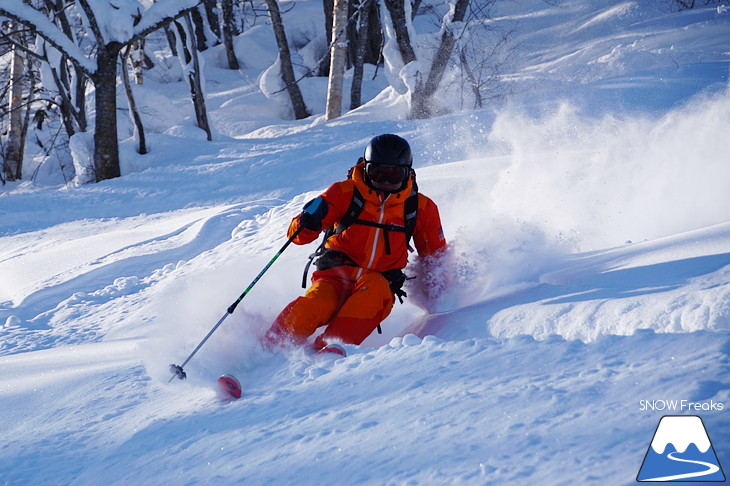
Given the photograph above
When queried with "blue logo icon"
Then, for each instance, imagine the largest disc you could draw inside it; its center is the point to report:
(680, 451)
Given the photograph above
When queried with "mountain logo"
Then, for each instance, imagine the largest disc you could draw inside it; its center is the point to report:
(679, 451)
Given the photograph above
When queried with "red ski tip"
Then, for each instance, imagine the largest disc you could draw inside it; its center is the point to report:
(333, 349)
(229, 386)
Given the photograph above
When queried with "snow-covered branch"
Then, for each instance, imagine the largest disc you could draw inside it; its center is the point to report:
(109, 20)
(90, 19)
(161, 13)
(42, 26)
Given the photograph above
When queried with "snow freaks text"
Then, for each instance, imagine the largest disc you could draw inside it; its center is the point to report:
(680, 406)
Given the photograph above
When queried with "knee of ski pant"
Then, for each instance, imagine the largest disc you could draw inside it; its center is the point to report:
(371, 298)
(305, 314)
(378, 288)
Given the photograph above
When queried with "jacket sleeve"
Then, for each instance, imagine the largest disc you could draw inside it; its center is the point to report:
(428, 236)
(338, 198)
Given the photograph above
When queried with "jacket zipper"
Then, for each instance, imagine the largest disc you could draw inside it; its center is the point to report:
(381, 210)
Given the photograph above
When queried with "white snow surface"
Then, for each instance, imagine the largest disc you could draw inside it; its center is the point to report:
(588, 221)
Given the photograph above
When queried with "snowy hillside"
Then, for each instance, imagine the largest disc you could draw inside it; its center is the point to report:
(588, 218)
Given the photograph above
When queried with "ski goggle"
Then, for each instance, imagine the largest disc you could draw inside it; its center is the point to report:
(390, 174)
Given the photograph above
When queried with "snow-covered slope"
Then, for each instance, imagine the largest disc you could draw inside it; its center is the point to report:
(589, 223)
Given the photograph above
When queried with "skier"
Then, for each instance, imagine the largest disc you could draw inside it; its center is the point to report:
(368, 221)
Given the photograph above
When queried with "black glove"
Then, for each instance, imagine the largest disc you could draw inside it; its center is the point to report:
(313, 214)
(396, 279)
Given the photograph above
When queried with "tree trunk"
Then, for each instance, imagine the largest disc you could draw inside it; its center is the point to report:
(337, 60)
(362, 44)
(188, 56)
(471, 79)
(351, 29)
(373, 53)
(29, 103)
(198, 29)
(212, 16)
(13, 165)
(79, 112)
(229, 31)
(196, 85)
(106, 145)
(171, 40)
(328, 7)
(396, 9)
(414, 8)
(65, 106)
(287, 71)
(136, 119)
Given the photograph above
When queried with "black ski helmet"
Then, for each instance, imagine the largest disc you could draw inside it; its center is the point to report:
(389, 149)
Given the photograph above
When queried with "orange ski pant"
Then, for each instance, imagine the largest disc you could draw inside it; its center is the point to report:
(350, 301)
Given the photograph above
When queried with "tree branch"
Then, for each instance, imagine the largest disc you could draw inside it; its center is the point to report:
(160, 14)
(91, 17)
(42, 26)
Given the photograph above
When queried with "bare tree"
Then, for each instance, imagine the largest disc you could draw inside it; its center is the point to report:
(134, 112)
(69, 81)
(460, 25)
(420, 107)
(188, 55)
(471, 78)
(328, 7)
(229, 31)
(372, 39)
(101, 68)
(13, 160)
(287, 70)
(104, 77)
(359, 61)
(338, 52)
(396, 10)
(206, 25)
(484, 66)
(211, 15)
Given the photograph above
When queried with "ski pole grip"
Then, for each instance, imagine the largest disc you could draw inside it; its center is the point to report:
(315, 206)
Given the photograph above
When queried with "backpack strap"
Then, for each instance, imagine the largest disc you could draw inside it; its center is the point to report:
(351, 217)
(353, 211)
(411, 212)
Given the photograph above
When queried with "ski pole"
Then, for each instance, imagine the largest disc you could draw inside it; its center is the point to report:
(178, 369)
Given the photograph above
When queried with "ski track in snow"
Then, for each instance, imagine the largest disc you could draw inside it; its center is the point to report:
(113, 260)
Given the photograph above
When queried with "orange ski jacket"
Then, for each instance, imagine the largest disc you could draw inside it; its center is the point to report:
(366, 245)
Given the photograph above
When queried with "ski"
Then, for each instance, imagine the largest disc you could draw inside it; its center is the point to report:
(334, 348)
(229, 387)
